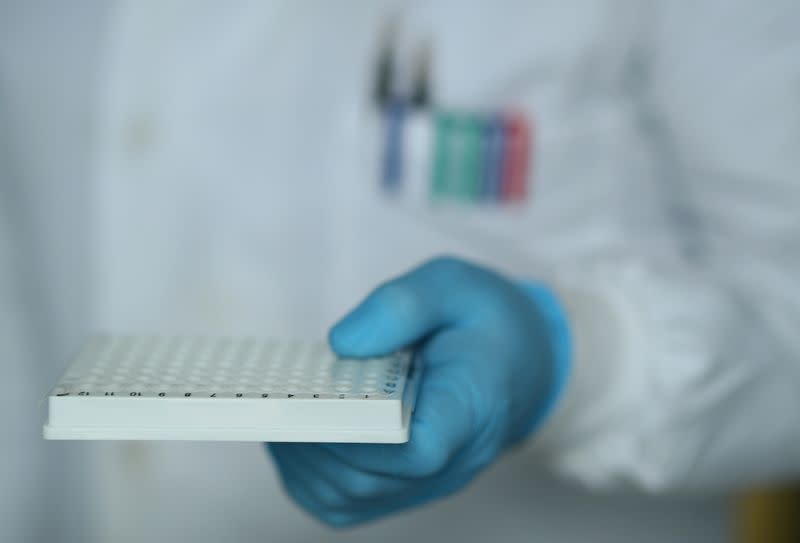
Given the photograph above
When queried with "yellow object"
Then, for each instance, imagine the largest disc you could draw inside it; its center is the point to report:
(770, 516)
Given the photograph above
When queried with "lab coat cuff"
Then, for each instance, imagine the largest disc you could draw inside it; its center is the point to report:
(600, 332)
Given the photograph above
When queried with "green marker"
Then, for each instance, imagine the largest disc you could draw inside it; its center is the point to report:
(441, 156)
(470, 130)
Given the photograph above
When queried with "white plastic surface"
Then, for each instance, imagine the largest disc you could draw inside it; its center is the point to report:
(123, 387)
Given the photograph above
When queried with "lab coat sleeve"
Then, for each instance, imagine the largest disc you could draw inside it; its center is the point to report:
(686, 368)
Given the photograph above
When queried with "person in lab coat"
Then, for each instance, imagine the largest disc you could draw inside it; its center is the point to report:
(628, 323)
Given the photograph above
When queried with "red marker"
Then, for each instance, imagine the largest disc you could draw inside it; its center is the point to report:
(517, 158)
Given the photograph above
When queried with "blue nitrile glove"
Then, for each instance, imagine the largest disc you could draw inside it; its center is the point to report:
(495, 358)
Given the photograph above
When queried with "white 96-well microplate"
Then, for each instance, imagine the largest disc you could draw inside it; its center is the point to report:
(123, 387)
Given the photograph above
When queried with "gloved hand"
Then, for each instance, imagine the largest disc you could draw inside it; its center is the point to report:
(495, 357)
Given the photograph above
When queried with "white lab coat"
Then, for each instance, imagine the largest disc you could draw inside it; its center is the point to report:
(205, 167)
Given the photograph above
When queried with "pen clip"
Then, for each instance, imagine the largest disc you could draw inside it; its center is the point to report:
(385, 65)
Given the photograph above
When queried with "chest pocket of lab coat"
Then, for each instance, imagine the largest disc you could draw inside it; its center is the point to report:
(587, 160)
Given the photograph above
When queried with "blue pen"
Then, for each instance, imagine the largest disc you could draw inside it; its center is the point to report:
(395, 113)
(494, 148)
